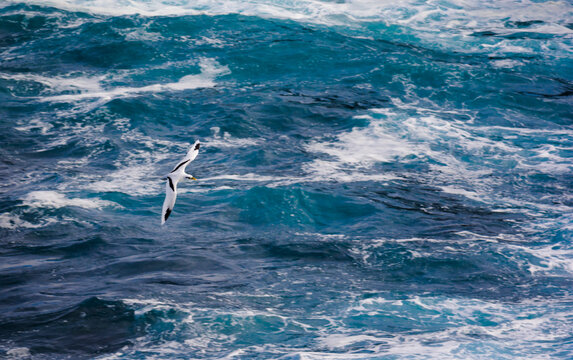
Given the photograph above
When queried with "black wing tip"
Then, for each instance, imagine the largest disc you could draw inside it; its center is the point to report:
(167, 213)
(197, 146)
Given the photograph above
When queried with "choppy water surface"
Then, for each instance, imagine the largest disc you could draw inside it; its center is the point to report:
(378, 179)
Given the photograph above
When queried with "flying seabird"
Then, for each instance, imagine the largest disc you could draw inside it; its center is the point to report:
(178, 173)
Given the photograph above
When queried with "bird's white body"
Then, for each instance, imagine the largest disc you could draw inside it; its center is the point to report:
(177, 174)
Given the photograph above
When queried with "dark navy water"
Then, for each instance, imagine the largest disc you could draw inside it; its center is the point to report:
(377, 179)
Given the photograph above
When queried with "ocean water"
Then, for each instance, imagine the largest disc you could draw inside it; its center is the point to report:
(377, 179)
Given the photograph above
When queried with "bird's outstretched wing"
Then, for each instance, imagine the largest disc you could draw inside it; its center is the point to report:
(191, 155)
(169, 202)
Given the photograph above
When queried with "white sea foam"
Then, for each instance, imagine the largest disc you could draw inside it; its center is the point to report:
(546, 259)
(440, 18)
(408, 133)
(554, 259)
(35, 124)
(393, 137)
(140, 182)
(18, 353)
(507, 63)
(225, 140)
(195, 189)
(210, 70)
(246, 177)
(88, 92)
(54, 199)
(445, 327)
(337, 341)
(473, 328)
(457, 191)
(13, 221)
(60, 83)
(363, 147)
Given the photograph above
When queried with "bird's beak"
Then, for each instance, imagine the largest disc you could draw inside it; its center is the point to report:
(193, 178)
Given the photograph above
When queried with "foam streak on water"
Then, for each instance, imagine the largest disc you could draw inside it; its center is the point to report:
(377, 179)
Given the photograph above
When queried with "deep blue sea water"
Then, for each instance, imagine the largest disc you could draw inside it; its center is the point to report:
(377, 179)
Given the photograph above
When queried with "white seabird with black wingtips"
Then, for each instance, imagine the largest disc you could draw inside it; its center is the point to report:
(178, 173)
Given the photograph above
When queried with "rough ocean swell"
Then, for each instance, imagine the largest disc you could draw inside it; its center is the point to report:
(377, 179)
